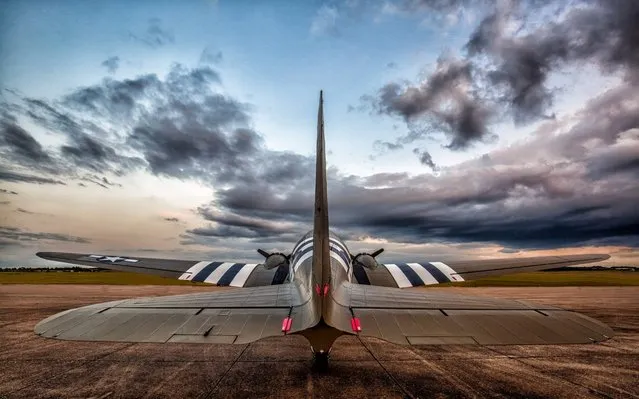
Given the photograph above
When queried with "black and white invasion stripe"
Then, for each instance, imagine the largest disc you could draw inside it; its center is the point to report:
(219, 273)
(304, 251)
(416, 274)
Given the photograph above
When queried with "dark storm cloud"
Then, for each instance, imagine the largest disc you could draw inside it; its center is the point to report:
(540, 193)
(425, 158)
(89, 153)
(178, 126)
(178, 149)
(87, 147)
(112, 97)
(111, 64)
(231, 224)
(572, 188)
(99, 181)
(600, 32)
(18, 145)
(446, 102)
(181, 127)
(16, 235)
(511, 56)
(16, 177)
(156, 35)
(106, 124)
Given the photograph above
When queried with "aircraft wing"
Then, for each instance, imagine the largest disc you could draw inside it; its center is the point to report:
(419, 317)
(218, 273)
(232, 316)
(405, 275)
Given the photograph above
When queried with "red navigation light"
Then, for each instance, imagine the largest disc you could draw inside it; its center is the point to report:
(286, 324)
(356, 325)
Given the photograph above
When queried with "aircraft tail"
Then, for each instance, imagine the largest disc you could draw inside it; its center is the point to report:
(321, 249)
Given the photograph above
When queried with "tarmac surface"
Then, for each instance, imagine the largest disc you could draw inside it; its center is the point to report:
(35, 367)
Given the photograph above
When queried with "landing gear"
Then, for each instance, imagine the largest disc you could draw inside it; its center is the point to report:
(320, 361)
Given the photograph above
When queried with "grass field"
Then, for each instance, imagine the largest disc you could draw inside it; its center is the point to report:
(558, 279)
(542, 279)
(106, 277)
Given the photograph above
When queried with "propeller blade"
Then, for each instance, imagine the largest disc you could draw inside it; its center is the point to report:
(379, 251)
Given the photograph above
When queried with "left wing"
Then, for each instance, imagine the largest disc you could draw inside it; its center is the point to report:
(235, 316)
(218, 273)
(405, 275)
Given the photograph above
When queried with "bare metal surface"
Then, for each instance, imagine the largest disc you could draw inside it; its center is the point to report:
(34, 367)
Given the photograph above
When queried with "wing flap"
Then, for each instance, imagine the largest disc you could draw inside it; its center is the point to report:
(229, 316)
(482, 327)
(427, 317)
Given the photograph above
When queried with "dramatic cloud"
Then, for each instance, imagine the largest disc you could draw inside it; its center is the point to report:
(17, 235)
(234, 225)
(599, 32)
(15, 177)
(425, 158)
(572, 183)
(511, 56)
(446, 102)
(111, 64)
(17, 145)
(99, 181)
(155, 35)
(179, 127)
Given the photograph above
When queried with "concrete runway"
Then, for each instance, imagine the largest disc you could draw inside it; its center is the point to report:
(34, 367)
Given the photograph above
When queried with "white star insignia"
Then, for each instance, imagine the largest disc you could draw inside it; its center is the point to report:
(111, 259)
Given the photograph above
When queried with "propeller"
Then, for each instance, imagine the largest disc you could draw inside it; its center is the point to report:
(367, 260)
(273, 260)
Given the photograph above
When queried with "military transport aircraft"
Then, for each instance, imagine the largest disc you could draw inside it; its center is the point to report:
(321, 291)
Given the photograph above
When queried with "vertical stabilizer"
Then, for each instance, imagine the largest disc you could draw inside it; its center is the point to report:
(321, 254)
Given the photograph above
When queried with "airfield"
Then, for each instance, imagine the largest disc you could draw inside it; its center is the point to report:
(34, 367)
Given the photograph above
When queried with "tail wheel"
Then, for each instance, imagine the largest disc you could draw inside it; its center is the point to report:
(320, 361)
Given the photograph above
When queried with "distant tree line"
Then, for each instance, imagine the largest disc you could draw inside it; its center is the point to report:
(54, 269)
(595, 268)
(99, 269)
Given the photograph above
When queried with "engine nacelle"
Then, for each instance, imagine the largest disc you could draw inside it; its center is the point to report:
(365, 260)
(275, 260)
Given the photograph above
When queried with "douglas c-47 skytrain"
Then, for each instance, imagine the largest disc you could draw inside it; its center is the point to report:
(321, 291)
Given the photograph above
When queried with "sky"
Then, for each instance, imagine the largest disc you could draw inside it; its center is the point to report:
(454, 129)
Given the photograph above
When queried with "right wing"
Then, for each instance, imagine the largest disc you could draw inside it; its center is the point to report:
(235, 316)
(218, 273)
(404, 275)
(435, 318)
